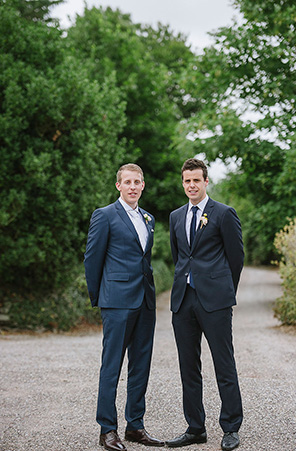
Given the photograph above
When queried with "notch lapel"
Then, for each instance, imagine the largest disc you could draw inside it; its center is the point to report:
(181, 225)
(200, 231)
(150, 230)
(124, 216)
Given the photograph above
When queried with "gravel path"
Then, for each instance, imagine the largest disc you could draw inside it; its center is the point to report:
(49, 382)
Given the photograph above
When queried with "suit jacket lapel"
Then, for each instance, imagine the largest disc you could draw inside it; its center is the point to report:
(124, 216)
(149, 226)
(182, 223)
(199, 232)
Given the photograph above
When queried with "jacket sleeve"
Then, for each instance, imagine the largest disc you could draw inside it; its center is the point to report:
(94, 256)
(233, 244)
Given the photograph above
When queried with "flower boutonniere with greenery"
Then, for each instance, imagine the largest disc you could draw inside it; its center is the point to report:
(147, 218)
(203, 220)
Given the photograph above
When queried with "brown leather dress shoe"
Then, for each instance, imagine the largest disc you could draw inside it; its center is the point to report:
(142, 436)
(111, 441)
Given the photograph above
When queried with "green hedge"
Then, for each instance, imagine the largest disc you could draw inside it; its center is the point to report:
(64, 310)
(285, 243)
(67, 308)
(163, 276)
(58, 311)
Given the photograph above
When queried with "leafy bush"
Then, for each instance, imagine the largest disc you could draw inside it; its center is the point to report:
(60, 148)
(163, 276)
(162, 259)
(285, 243)
(63, 310)
(58, 311)
(161, 248)
(66, 308)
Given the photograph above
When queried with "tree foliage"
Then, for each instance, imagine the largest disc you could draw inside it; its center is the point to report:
(148, 64)
(76, 106)
(59, 149)
(34, 10)
(246, 86)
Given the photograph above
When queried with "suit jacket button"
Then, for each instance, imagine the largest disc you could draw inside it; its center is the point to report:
(186, 274)
(191, 258)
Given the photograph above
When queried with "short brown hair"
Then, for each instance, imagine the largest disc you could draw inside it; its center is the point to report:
(193, 163)
(129, 167)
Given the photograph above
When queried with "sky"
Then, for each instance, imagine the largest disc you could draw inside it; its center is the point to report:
(193, 18)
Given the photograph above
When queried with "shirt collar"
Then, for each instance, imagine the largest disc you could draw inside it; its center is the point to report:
(128, 207)
(201, 204)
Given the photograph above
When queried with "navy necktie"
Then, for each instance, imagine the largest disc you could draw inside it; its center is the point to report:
(192, 236)
(193, 225)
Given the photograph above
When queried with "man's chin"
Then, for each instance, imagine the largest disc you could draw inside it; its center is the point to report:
(194, 199)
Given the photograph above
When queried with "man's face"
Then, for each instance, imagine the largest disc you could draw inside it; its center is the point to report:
(194, 185)
(131, 187)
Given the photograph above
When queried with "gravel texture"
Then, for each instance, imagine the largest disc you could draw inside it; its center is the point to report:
(49, 382)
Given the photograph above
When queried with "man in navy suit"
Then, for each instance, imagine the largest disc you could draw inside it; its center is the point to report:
(207, 249)
(120, 281)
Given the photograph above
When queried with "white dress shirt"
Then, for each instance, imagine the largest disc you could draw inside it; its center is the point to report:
(138, 222)
(189, 215)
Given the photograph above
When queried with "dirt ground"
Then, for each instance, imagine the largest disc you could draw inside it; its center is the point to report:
(49, 382)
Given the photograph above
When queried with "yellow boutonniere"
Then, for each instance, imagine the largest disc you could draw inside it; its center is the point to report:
(203, 220)
(147, 218)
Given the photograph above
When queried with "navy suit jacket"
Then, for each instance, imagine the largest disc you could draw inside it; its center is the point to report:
(118, 272)
(215, 258)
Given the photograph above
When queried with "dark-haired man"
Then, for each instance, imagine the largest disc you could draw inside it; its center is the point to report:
(207, 249)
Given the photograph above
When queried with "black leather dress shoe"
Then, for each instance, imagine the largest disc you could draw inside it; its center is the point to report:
(111, 441)
(187, 439)
(230, 441)
(142, 436)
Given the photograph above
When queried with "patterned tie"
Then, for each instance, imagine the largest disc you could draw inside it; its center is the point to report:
(192, 236)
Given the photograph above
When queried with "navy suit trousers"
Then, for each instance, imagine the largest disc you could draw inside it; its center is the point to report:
(189, 323)
(130, 329)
